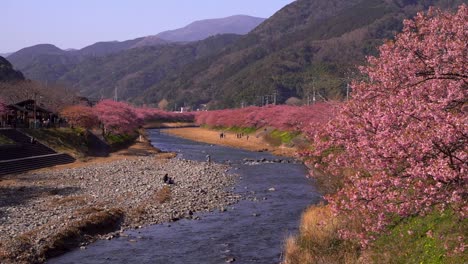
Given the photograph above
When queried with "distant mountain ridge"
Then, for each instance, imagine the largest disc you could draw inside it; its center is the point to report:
(202, 29)
(39, 62)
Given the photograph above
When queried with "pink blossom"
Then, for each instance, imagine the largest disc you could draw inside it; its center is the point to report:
(406, 126)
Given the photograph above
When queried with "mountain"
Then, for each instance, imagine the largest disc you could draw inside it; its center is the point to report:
(23, 56)
(109, 47)
(307, 46)
(7, 73)
(198, 30)
(44, 62)
(47, 62)
(149, 41)
(131, 71)
(5, 55)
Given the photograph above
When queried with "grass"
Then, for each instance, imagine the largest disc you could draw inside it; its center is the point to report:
(5, 141)
(234, 129)
(93, 221)
(119, 141)
(96, 221)
(163, 195)
(273, 137)
(433, 238)
(68, 200)
(69, 140)
(74, 140)
(278, 137)
(318, 241)
(245, 130)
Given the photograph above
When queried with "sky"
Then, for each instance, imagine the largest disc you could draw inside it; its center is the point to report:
(78, 23)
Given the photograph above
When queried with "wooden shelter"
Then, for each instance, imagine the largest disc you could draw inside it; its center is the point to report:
(28, 114)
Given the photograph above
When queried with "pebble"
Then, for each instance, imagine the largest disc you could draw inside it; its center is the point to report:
(197, 187)
(230, 260)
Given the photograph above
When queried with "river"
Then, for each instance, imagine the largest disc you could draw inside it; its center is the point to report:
(251, 231)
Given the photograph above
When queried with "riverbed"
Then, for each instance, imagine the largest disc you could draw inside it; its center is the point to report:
(275, 191)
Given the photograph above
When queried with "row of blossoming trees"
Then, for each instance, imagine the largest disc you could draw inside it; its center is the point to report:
(118, 117)
(402, 138)
(282, 117)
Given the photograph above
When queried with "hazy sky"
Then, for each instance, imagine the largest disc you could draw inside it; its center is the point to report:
(78, 23)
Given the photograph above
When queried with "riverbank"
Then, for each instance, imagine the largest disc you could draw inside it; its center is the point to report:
(47, 212)
(157, 124)
(254, 141)
(140, 148)
(273, 196)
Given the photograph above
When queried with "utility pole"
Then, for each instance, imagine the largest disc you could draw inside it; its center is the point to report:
(313, 95)
(35, 96)
(116, 98)
(274, 97)
(347, 91)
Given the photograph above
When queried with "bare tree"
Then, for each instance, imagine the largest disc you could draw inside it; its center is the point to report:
(53, 97)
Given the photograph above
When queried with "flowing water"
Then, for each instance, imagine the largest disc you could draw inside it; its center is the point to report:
(251, 231)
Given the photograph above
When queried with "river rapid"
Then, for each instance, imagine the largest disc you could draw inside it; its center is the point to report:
(251, 231)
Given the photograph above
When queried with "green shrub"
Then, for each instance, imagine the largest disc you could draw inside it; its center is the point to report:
(117, 141)
(245, 130)
(278, 137)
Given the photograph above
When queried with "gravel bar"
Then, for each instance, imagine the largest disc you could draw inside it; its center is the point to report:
(36, 208)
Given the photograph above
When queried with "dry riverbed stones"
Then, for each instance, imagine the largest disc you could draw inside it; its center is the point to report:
(40, 207)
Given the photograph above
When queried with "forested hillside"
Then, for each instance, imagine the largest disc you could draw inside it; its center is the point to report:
(46, 62)
(129, 73)
(7, 73)
(306, 46)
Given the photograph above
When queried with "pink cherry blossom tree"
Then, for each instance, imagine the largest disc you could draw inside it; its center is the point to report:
(404, 133)
(117, 117)
(282, 117)
(80, 115)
